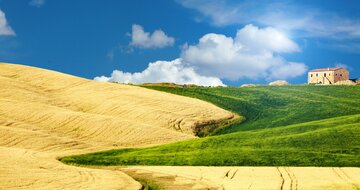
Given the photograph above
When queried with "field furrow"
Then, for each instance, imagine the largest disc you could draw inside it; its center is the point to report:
(45, 115)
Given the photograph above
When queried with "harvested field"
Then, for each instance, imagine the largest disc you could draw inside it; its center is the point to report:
(27, 169)
(46, 114)
(231, 178)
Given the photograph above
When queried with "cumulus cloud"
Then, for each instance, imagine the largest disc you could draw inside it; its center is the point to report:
(267, 39)
(251, 54)
(37, 3)
(286, 70)
(158, 39)
(163, 71)
(5, 29)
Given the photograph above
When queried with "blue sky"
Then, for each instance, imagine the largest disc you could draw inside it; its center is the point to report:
(202, 42)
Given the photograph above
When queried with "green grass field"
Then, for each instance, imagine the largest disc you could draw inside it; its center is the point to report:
(284, 126)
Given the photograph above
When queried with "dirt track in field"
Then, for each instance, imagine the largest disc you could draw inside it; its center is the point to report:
(46, 114)
(233, 178)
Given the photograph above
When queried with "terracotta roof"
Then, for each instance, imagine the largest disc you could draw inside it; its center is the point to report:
(326, 69)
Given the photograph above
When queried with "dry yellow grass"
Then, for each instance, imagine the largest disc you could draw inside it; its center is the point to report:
(46, 114)
(233, 178)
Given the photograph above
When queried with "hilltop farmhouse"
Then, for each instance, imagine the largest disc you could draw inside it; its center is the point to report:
(327, 76)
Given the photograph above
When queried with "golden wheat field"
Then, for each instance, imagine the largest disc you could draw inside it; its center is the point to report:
(46, 114)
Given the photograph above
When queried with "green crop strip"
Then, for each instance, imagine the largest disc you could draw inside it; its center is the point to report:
(284, 126)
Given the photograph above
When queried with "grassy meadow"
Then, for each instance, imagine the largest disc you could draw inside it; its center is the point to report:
(284, 126)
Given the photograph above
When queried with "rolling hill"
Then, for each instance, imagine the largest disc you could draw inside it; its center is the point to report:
(285, 126)
(45, 115)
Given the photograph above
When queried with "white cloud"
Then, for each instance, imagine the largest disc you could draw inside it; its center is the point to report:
(315, 24)
(158, 39)
(282, 14)
(37, 3)
(163, 71)
(267, 39)
(217, 11)
(284, 70)
(249, 55)
(5, 29)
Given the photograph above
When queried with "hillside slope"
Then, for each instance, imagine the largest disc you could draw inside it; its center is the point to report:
(46, 114)
(329, 142)
(285, 126)
(274, 106)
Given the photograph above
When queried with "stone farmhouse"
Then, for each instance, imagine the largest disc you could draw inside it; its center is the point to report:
(327, 76)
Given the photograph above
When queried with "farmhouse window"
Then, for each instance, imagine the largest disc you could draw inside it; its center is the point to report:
(310, 75)
(324, 74)
(316, 74)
